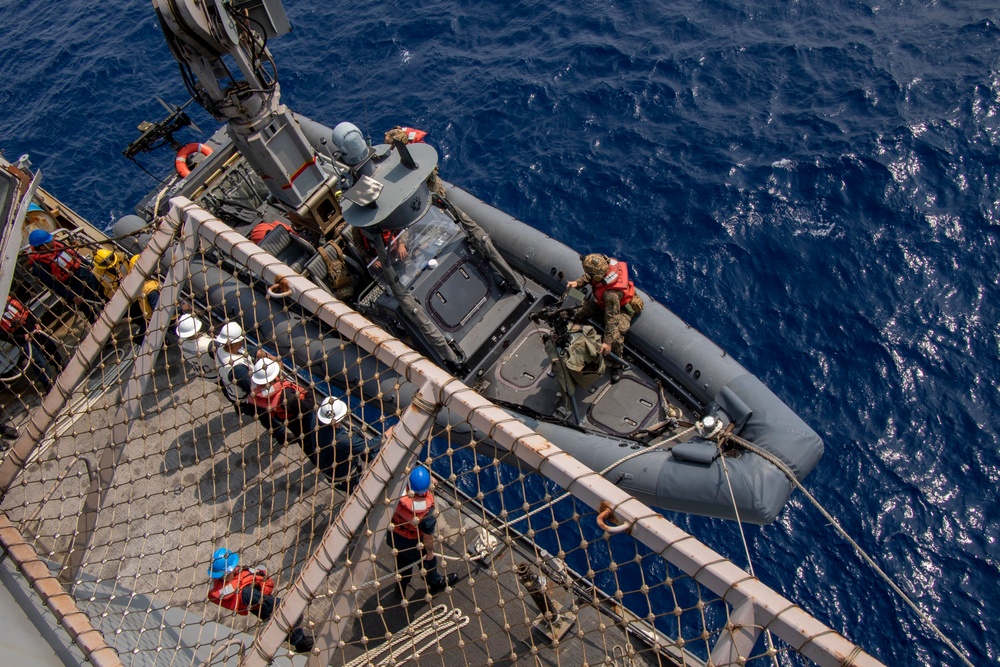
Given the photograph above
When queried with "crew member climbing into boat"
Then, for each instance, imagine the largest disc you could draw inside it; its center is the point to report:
(613, 296)
(413, 524)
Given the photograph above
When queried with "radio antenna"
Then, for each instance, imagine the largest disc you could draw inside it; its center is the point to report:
(364, 101)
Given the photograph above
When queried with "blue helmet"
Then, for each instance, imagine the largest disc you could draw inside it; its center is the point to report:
(420, 479)
(224, 561)
(39, 237)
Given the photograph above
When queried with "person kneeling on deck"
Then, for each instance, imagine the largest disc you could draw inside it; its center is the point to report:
(413, 523)
(196, 347)
(248, 591)
(614, 296)
(340, 451)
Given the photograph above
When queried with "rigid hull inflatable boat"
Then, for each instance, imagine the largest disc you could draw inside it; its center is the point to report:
(474, 289)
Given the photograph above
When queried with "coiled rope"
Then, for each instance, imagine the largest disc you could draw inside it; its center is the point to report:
(778, 463)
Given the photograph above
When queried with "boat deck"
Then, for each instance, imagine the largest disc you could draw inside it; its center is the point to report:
(195, 475)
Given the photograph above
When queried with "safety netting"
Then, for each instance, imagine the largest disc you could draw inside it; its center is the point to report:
(230, 469)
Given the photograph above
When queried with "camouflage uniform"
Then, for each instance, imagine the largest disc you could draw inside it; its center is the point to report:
(402, 136)
(616, 320)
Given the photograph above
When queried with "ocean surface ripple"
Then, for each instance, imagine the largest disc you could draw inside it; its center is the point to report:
(812, 185)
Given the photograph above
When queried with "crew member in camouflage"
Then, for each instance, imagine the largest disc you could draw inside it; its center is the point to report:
(614, 296)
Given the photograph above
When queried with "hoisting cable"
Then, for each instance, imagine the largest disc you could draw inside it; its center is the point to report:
(743, 537)
(778, 463)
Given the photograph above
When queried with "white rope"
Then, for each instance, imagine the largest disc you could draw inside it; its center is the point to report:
(602, 474)
(746, 550)
(857, 547)
(438, 621)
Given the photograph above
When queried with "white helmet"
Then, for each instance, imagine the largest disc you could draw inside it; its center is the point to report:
(331, 410)
(231, 332)
(264, 371)
(188, 326)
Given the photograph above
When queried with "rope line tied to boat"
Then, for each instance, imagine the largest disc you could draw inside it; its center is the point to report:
(727, 440)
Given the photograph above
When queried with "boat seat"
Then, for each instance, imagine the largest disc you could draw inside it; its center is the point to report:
(316, 270)
(290, 249)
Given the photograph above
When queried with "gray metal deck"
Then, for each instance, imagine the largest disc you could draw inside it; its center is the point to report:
(196, 475)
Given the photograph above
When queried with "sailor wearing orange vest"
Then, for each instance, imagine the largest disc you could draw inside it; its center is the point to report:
(62, 270)
(248, 591)
(413, 524)
(19, 326)
(278, 400)
(614, 300)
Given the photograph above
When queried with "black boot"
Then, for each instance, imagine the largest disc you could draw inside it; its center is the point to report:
(8, 431)
(301, 641)
(617, 371)
(439, 585)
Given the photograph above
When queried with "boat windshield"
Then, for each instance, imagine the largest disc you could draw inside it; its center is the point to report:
(414, 247)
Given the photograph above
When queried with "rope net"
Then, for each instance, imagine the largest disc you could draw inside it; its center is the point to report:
(195, 524)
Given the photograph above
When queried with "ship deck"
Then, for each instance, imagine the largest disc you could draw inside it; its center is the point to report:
(195, 475)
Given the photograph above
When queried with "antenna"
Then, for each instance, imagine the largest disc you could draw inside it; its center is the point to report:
(364, 101)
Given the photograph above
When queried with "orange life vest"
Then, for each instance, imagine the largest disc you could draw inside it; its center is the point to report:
(262, 229)
(61, 262)
(268, 397)
(405, 519)
(15, 315)
(616, 279)
(387, 239)
(228, 594)
(413, 136)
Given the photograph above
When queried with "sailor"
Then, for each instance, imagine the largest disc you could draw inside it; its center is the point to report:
(197, 348)
(107, 270)
(394, 243)
(141, 310)
(339, 451)
(233, 352)
(412, 526)
(150, 294)
(63, 271)
(248, 591)
(20, 326)
(613, 297)
(278, 400)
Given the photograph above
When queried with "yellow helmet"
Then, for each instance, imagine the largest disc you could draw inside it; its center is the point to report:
(131, 262)
(106, 259)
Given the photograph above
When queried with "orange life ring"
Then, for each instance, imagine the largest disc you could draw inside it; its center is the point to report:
(180, 162)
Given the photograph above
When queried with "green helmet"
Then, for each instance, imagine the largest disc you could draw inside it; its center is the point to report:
(595, 266)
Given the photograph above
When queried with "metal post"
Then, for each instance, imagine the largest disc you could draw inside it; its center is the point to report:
(82, 360)
(367, 507)
(142, 373)
(737, 640)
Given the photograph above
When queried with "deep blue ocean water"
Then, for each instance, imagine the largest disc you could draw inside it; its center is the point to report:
(812, 185)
